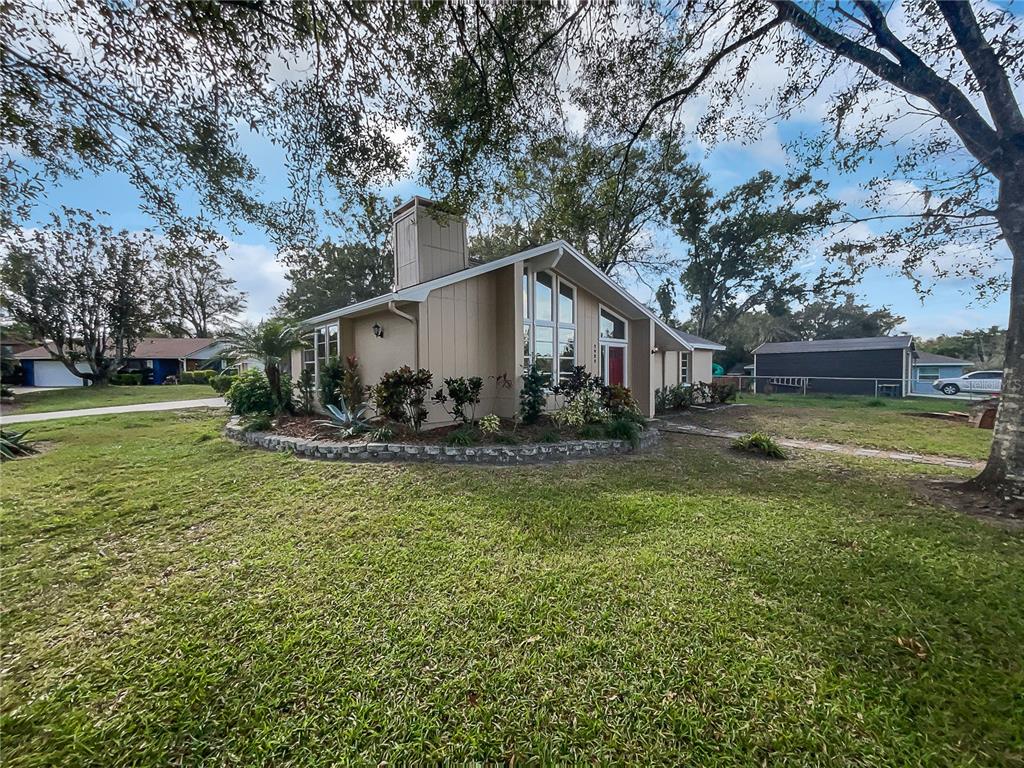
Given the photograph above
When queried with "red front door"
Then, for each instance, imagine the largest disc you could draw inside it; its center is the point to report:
(616, 365)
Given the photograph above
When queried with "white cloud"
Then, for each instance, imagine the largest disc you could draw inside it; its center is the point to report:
(258, 273)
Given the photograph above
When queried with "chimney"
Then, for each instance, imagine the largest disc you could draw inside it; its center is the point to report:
(429, 242)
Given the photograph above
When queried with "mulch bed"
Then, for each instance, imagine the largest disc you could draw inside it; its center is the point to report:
(306, 427)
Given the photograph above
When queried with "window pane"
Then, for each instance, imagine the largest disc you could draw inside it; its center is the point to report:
(526, 294)
(545, 333)
(566, 299)
(565, 365)
(612, 327)
(566, 342)
(542, 293)
(333, 342)
(526, 340)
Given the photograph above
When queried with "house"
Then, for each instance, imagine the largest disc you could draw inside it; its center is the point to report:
(927, 367)
(548, 306)
(872, 366)
(164, 357)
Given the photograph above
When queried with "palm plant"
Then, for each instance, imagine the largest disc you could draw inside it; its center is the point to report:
(270, 341)
(14, 445)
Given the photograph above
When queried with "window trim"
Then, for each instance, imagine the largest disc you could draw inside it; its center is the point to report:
(685, 366)
(531, 322)
(607, 341)
(625, 325)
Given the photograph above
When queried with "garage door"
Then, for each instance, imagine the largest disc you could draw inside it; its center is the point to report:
(50, 373)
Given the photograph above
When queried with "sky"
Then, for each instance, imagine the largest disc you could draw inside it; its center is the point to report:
(950, 307)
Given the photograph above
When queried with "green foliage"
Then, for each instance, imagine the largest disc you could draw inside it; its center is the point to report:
(590, 432)
(222, 382)
(351, 387)
(13, 445)
(490, 424)
(250, 393)
(678, 397)
(623, 428)
(258, 422)
(722, 392)
(401, 395)
(270, 341)
(306, 387)
(875, 402)
(465, 435)
(202, 376)
(350, 421)
(584, 408)
(984, 346)
(550, 435)
(506, 438)
(619, 401)
(461, 393)
(129, 379)
(532, 397)
(759, 443)
(332, 373)
(381, 434)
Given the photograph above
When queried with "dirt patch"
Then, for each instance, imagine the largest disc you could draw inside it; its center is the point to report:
(962, 497)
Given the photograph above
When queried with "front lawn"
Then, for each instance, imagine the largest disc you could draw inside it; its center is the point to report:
(172, 598)
(99, 397)
(888, 424)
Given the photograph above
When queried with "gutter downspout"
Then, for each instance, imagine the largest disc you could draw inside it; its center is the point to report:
(416, 331)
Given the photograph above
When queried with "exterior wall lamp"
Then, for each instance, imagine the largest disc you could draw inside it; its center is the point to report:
(378, 330)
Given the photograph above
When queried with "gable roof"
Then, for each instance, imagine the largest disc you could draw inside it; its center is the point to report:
(554, 252)
(147, 349)
(835, 345)
(930, 358)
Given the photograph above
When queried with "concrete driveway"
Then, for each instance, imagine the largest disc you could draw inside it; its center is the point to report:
(173, 405)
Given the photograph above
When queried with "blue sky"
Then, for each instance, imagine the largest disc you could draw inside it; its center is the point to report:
(950, 307)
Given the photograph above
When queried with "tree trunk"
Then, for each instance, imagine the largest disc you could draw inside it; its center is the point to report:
(1004, 473)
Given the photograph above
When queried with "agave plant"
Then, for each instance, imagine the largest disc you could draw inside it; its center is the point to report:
(14, 445)
(349, 422)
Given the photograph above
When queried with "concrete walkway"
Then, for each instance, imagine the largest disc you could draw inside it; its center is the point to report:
(810, 445)
(173, 405)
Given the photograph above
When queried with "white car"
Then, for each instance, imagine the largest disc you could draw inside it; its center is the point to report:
(978, 381)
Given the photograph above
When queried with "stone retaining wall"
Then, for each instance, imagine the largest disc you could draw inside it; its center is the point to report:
(451, 454)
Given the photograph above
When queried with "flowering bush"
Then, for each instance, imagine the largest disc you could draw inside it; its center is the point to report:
(400, 395)
(490, 424)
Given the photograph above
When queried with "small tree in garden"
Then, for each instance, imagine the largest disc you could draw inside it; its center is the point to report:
(83, 288)
(251, 393)
(331, 374)
(532, 397)
(462, 393)
(401, 395)
(352, 383)
(306, 387)
(271, 342)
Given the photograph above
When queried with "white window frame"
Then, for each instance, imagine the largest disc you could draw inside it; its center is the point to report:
(685, 364)
(531, 323)
(604, 342)
(326, 331)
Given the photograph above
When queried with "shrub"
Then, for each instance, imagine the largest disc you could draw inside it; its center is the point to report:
(186, 377)
(490, 424)
(577, 382)
(505, 438)
(14, 445)
(700, 393)
(222, 382)
(400, 395)
(381, 434)
(350, 421)
(258, 422)
(723, 393)
(6, 391)
(306, 387)
(462, 393)
(550, 436)
(678, 397)
(126, 379)
(623, 429)
(590, 432)
(203, 376)
(331, 374)
(531, 397)
(250, 393)
(759, 443)
(352, 383)
(464, 435)
(618, 401)
(585, 408)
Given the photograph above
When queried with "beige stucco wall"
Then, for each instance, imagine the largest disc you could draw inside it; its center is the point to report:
(377, 356)
(643, 365)
(700, 360)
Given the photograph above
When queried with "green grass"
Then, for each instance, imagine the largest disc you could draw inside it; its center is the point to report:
(172, 598)
(854, 421)
(89, 397)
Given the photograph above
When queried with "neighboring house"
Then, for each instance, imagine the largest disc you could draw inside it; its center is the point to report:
(165, 357)
(927, 367)
(548, 306)
(872, 366)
